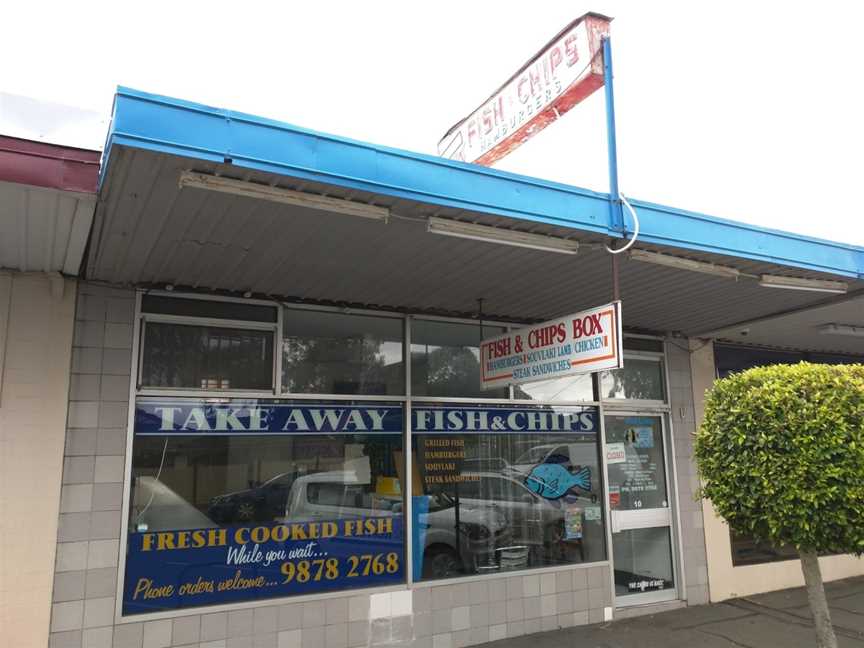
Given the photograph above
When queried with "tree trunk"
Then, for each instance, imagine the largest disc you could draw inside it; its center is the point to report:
(818, 603)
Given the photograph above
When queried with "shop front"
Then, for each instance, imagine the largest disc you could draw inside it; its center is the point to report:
(281, 428)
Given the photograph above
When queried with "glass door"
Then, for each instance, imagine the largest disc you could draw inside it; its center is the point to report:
(640, 510)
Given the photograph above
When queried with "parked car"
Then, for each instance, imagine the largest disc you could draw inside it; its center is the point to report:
(569, 455)
(259, 503)
(449, 549)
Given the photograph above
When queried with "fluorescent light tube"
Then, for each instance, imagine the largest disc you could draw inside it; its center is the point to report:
(489, 234)
(842, 329)
(797, 283)
(684, 264)
(279, 195)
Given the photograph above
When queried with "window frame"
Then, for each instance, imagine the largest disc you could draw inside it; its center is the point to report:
(136, 390)
(142, 318)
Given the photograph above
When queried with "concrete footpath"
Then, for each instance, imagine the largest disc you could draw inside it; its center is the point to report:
(779, 619)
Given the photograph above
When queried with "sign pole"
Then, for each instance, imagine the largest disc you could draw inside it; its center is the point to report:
(616, 215)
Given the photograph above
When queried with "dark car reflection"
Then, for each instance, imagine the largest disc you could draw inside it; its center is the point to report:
(263, 502)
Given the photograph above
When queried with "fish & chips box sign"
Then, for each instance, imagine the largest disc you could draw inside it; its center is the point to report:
(583, 342)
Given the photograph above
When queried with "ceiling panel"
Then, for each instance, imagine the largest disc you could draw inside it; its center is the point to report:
(149, 231)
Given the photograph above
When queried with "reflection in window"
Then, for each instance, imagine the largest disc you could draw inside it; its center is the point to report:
(206, 357)
(337, 353)
(639, 379)
(569, 388)
(333, 491)
(527, 496)
(445, 359)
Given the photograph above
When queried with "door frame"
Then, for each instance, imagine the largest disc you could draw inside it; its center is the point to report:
(661, 413)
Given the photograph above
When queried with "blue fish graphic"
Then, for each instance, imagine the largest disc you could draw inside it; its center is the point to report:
(553, 481)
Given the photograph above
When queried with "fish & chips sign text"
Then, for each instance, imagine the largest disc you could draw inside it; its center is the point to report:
(580, 343)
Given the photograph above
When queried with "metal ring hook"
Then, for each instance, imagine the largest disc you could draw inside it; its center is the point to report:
(635, 229)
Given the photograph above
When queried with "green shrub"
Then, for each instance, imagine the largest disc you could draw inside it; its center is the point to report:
(781, 455)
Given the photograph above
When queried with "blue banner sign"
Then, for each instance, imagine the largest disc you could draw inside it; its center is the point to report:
(167, 570)
(196, 417)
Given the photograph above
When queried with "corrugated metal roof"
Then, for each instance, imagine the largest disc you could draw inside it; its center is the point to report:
(149, 231)
(43, 230)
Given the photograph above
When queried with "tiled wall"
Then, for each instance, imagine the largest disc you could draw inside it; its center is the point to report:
(88, 537)
(441, 616)
(683, 427)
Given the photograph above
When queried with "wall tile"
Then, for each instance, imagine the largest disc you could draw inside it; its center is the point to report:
(514, 588)
(498, 632)
(580, 579)
(117, 362)
(128, 635)
(114, 388)
(67, 616)
(102, 553)
(84, 387)
(497, 612)
(292, 639)
(515, 610)
(100, 582)
(76, 498)
(68, 639)
(548, 584)
(289, 617)
(86, 360)
(120, 310)
(240, 623)
(83, 414)
(442, 621)
(98, 612)
(80, 442)
(336, 636)
(104, 525)
(186, 630)
(265, 620)
(336, 611)
(111, 441)
(531, 585)
(314, 614)
(108, 469)
(112, 415)
(73, 527)
(214, 626)
(118, 336)
(98, 637)
(479, 615)
(68, 586)
(157, 634)
(107, 497)
(71, 556)
(88, 334)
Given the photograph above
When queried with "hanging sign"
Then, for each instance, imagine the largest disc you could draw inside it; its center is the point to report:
(579, 343)
(559, 76)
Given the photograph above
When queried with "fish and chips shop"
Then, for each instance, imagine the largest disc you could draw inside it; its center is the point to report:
(298, 390)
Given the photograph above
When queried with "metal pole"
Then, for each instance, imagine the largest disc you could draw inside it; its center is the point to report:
(615, 213)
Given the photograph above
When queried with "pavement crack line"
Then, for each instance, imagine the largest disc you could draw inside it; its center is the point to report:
(790, 617)
(724, 637)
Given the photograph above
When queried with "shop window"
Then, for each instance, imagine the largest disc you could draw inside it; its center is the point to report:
(206, 357)
(337, 353)
(498, 489)
(639, 379)
(445, 359)
(249, 500)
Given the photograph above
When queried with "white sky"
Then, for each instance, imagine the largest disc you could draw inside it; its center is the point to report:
(745, 110)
